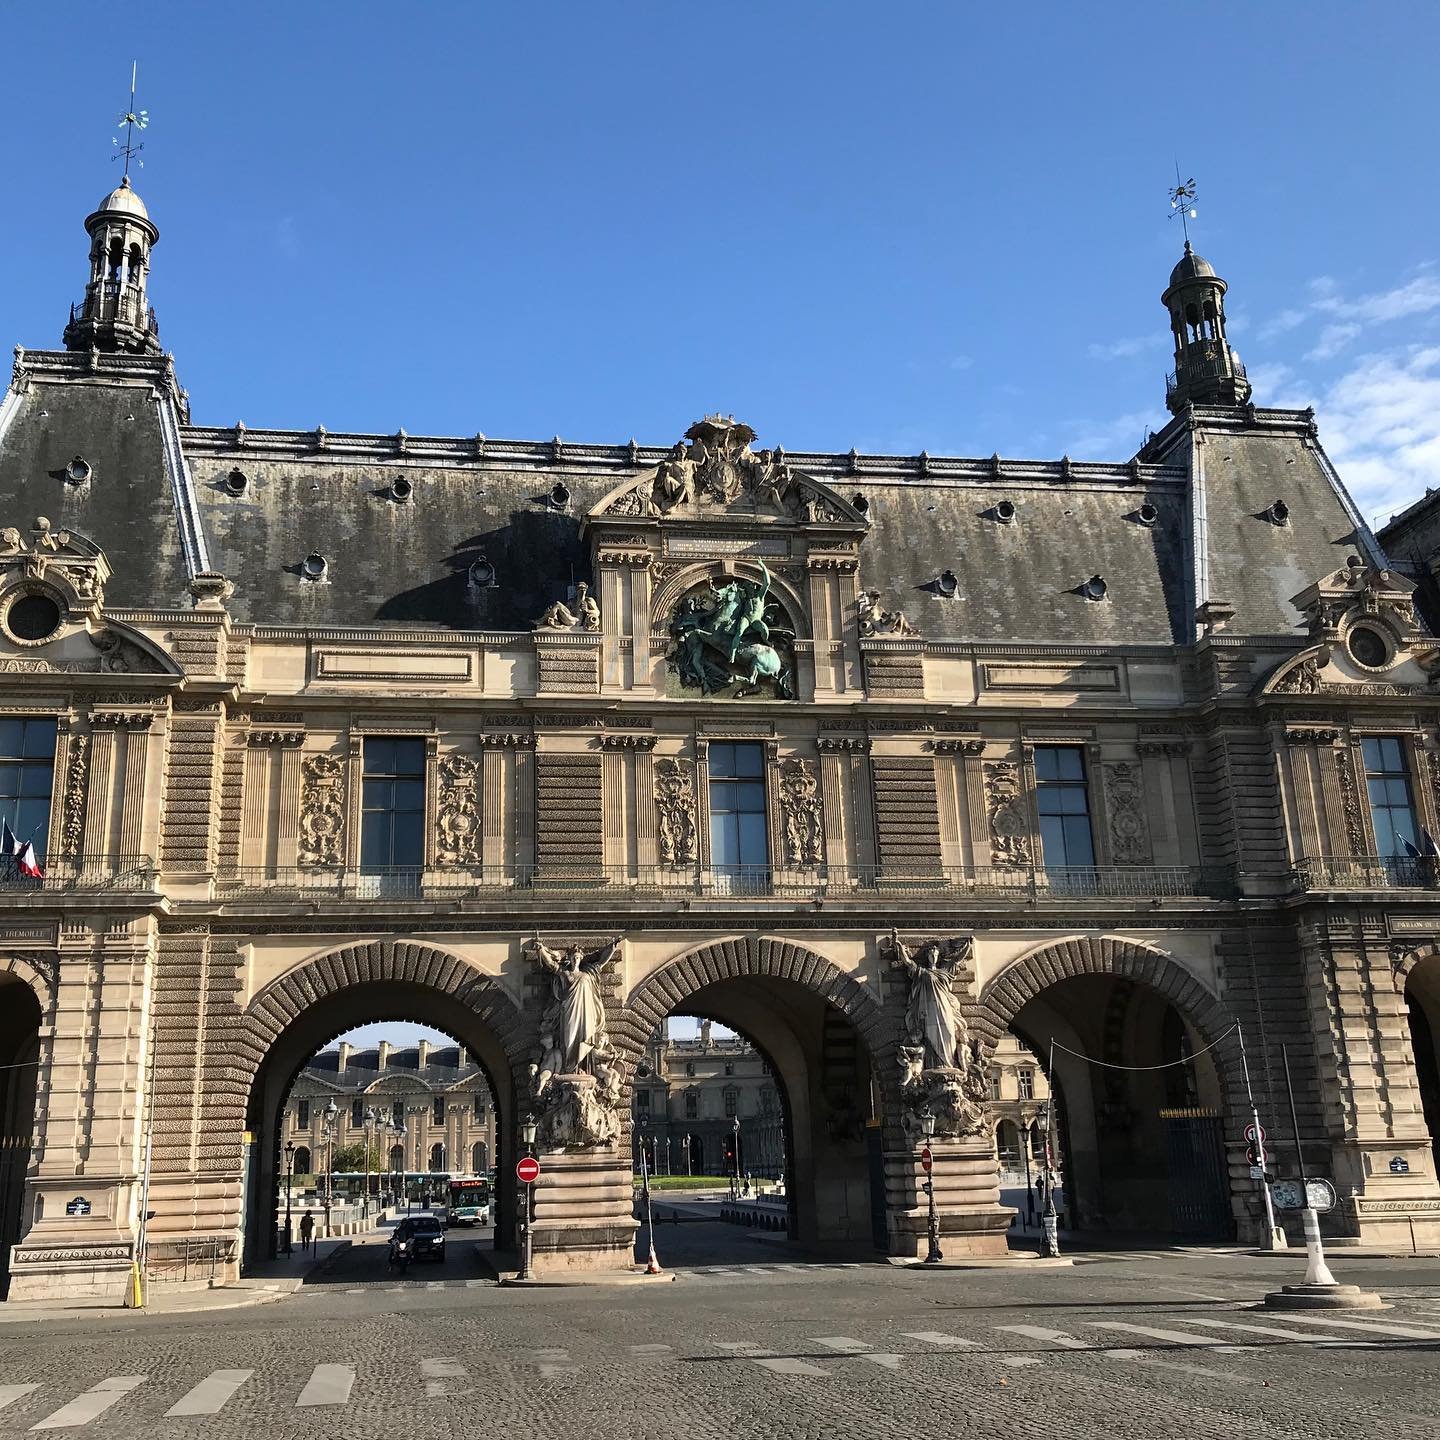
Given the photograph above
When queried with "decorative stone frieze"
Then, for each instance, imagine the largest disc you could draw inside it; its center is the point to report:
(457, 819)
(676, 835)
(1311, 737)
(275, 739)
(72, 815)
(322, 811)
(1355, 833)
(959, 747)
(843, 744)
(801, 813)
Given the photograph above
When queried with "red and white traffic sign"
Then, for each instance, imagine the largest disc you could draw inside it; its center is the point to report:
(926, 1160)
(1255, 1132)
(527, 1170)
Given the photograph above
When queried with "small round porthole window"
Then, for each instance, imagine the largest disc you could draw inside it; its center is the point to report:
(33, 619)
(1368, 647)
(314, 566)
(77, 472)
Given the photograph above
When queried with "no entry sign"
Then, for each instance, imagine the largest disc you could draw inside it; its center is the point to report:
(527, 1171)
(926, 1160)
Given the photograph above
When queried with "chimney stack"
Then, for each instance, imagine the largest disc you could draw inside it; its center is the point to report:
(344, 1057)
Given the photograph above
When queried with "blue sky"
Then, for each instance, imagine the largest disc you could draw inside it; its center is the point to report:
(404, 1032)
(896, 226)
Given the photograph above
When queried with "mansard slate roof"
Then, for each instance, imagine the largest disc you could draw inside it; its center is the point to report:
(157, 501)
(446, 1065)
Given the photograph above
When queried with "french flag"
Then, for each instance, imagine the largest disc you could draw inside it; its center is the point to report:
(22, 852)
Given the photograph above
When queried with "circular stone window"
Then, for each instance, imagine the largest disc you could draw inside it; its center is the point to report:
(33, 619)
(1368, 647)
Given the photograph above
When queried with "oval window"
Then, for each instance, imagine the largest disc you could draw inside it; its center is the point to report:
(33, 618)
(1368, 647)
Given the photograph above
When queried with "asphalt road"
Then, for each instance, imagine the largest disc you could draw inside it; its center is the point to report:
(1123, 1345)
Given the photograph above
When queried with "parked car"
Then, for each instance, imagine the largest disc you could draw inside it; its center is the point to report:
(417, 1237)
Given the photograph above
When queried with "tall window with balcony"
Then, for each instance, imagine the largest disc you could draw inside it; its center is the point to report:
(27, 775)
(1062, 799)
(739, 843)
(1392, 808)
(392, 822)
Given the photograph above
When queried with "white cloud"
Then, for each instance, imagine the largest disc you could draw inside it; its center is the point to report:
(1280, 324)
(961, 362)
(1380, 424)
(1125, 349)
(1120, 437)
(1414, 297)
(1333, 339)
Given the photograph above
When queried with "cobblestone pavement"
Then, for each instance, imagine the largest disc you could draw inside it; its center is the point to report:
(1126, 1347)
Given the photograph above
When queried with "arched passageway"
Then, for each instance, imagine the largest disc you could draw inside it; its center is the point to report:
(1422, 999)
(20, 1020)
(809, 1024)
(1140, 1100)
(295, 1017)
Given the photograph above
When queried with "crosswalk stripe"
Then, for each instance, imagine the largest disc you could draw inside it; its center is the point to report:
(1019, 1361)
(211, 1393)
(1171, 1337)
(327, 1385)
(756, 1270)
(886, 1362)
(842, 1343)
(95, 1401)
(742, 1347)
(1040, 1332)
(939, 1337)
(1376, 1327)
(434, 1284)
(437, 1371)
(9, 1394)
(787, 1366)
(651, 1350)
(1274, 1330)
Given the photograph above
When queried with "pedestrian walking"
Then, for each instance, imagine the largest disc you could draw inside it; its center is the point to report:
(307, 1231)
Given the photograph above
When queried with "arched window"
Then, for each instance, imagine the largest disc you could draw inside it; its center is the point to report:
(302, 1160)
(132, 270)
(397, 1157)
(479, 1160)
(437, 1159)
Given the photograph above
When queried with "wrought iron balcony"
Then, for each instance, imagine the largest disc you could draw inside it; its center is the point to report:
(1367, 872)
(111, 302)
(1022, 885)
(1197, 367)
(131, 873)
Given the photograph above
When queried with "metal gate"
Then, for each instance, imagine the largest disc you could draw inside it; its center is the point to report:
(1198, 1181)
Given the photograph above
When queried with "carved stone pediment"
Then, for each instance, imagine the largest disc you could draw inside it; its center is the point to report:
(46, 560)
(1366, 639)
(714, 473)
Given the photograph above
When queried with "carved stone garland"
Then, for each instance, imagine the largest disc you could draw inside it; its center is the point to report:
(1129, 839)
(676, 834)
(72, 819)
(1350, 802)
(1009, 826)
(800, 807)
(457, 820)
(322, 811)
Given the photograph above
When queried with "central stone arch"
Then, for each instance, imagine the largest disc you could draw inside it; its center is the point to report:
(831, 1049)
(1143, 1139)
(298, 1012)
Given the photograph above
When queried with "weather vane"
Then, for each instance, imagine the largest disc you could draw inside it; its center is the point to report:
(132, 120)
(1182, 201)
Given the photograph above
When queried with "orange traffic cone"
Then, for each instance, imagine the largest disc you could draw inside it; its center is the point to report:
(653, 1267)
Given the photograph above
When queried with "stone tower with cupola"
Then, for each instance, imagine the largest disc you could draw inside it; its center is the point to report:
(115, 315)
(1207, 371)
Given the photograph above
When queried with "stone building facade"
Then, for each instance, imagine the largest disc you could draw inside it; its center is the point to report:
(870, 758)
(685, 1105)
(421, 1110)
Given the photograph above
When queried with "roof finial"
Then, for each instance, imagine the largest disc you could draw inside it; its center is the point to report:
(1182, 203)
(132, 120)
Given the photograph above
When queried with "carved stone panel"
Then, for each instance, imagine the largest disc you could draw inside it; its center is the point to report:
(1129, 836)
(1005, 806)
(457, 819)
(676, 836)
(800, 808)
(1355, 831)
(322, 811)
(72, 819)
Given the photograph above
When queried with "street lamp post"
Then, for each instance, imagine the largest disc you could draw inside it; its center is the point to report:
(332, 1111)
(1050, 1221)
(933, 1254)
(527, 1209)
(685, 1146)
(652, 1266)
(289, 1176)
(1025, 1150)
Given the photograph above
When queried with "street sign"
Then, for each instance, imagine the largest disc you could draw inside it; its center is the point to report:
(1252, 1156)
(927, 1160)
(1257, 1172)
(1399, 1166)
(78, 1206)
(1255, 1132)
(527, 1170)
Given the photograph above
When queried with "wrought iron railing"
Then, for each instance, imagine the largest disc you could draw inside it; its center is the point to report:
(825, 882)
(108, 300)
(81, 872)
(1199, 368)
(1367, 872)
